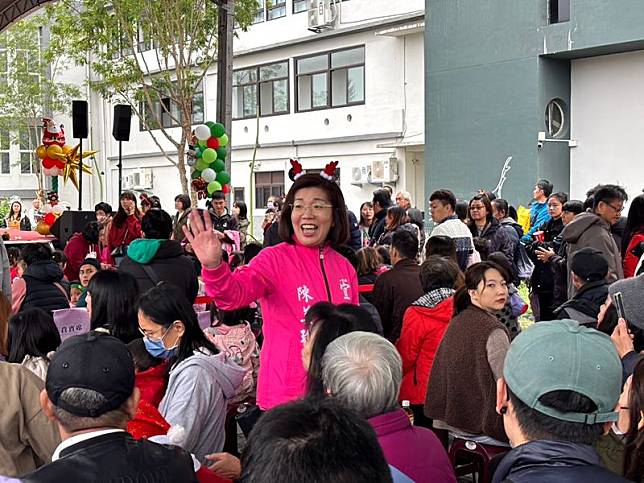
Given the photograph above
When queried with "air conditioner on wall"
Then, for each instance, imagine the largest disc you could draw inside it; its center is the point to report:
(384, 171)
(139, 180)
(322, 14)
(359, 175)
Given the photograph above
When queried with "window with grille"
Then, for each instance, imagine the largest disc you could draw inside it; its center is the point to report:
(267, 184)
(266, 86)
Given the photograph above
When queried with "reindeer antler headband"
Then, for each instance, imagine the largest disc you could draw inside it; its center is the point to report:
(327, 173)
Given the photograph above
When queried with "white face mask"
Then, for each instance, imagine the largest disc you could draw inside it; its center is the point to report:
(270, 205)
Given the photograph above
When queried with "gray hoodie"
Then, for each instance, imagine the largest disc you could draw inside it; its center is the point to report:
(196, 399)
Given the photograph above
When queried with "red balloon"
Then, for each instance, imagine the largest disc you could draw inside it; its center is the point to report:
(226, 189)
(49, 219)
(48, 163)
(59, 164)
(212, 142)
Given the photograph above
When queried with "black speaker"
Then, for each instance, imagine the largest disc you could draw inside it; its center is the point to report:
(79, 119)
(70, 222)
(122, 118)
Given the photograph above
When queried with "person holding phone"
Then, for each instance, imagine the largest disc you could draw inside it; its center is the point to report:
(628, 336)
(313, 222)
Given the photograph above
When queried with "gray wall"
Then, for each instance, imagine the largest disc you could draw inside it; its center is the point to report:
(491, 68)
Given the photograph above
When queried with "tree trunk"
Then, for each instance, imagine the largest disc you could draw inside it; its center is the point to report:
(181, 162)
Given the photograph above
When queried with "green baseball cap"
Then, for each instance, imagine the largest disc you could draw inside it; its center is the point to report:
(563, 355)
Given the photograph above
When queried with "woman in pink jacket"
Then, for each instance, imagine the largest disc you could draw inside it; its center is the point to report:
(287, 278)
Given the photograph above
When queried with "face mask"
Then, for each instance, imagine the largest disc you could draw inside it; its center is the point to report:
(157, 349)
(270, 205)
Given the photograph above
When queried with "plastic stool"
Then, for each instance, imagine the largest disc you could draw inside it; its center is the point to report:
(475, 457)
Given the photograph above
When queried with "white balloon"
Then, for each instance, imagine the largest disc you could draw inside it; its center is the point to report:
(58, 209)
(209, 175)
(202, 132)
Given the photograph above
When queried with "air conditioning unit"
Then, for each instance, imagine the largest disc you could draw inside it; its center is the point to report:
(384, 171)
(142, 179)
(127, 182)
(359, 175)
(322, 14)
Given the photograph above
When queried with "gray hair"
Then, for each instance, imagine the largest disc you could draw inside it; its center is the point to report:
(88, 399)
(363, 371)
(405, 195)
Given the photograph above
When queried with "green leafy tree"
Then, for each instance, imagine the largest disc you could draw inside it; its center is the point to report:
(150, 54)
(29, 90)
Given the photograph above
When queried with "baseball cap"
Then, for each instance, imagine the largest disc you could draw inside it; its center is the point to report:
(91, 261)
(589, 264)
(93, 361)
(563, 355)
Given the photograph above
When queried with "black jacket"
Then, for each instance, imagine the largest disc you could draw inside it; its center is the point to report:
(354, 232)
(542, 279)
(117, 457)
(377, 227)
(224, 222)
(551, 461)
(584, 305)
(169, 265)
(44, 287)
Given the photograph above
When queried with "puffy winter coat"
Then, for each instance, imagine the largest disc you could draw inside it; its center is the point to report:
(43, 288)
(501, 239)
(287, 279)
(424, 324)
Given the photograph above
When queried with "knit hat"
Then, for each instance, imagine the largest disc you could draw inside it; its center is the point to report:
(561, 355)
(91, 261)
(589, 264)
(94, 361)
(632, 294)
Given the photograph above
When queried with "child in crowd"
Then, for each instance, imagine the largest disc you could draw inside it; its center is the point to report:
(75, 291)
(32, 340)
(151, 373)
(14, 257)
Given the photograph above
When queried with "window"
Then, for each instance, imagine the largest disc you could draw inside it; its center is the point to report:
(558, 11)
(28, 141)
(144, 42)
(268, 184)
(260, 14)
(300, 6)
(5, 166)
(555, 118)
(238, 194)
(276, 9)
(266, 86)
(164, 111)
(331, 79)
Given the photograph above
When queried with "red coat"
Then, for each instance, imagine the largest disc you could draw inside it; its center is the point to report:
(123, 235)
(421, 334)
(152, 383)
(630, 260)
(76, 251)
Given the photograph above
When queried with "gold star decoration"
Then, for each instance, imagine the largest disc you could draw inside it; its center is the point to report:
(72, 164)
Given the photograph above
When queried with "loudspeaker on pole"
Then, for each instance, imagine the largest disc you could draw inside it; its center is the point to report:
(79, 119)
(122, 121)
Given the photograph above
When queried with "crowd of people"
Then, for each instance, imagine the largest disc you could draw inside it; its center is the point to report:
(365, 348)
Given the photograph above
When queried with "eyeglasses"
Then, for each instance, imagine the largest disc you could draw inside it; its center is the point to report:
(153, 338)
(315, 208)
(617, 210)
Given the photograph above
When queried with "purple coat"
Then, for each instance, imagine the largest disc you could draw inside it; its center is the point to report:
(413, 450)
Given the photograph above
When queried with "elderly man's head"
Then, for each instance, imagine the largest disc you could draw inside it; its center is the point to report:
(90, 384)
(363, 371)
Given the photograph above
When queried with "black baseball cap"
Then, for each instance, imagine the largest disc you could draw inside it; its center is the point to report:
(95, 361)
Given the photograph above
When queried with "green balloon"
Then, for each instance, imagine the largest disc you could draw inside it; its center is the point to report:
(196, 174)
(201, 164)
(210, 124)
(223, 178)
(223, 140)
(198, 152)
(217, 130)
(222, 153)
(213, 186)
(218, 166)
(202, 144)
(209, 155)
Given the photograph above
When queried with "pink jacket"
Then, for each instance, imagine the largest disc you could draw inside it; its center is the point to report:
(287, 280)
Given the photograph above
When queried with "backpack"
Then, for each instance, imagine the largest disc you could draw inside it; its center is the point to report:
(522, 261)
(239, 344)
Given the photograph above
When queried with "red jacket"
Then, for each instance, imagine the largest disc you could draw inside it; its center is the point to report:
(422, 332)
(630, 260)
(123, 235)
(152, 383)
(76, 251)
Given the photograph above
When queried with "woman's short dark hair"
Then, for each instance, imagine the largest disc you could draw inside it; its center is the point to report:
(486, 202)
(439, 272)
(157, 225)
(442, 245)
(104, 207)
(474, 275)
(31, 332)
(114, 294)
(573, 206)
(90, 231)
(330, 323)
(36, 252)
(243, 210)
(560, 196)
(339, 233)
(164, 304)
(184, 200)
